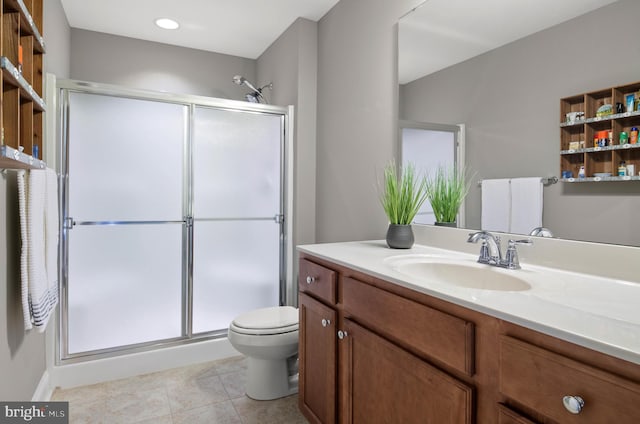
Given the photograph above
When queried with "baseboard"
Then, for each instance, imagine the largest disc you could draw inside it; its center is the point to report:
(107, 369)
(44, 390)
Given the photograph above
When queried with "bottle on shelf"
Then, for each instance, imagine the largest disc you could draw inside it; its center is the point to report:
(581, 173)
(624, 137)
(622, 169)
(633, 135)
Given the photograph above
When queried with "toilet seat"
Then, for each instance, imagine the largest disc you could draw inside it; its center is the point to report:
(267, 321)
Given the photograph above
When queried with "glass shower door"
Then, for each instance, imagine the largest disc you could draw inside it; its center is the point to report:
(428, 146)
(173, 210)
(237, 210)
(125, 221)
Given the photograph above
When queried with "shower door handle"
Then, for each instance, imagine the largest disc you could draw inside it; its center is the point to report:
(69, 223)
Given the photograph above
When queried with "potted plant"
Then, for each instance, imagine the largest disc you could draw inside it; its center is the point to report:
(446, 190)
(402, 196)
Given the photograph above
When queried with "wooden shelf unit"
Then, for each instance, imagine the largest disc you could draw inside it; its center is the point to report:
(599, 159)
(21, 65)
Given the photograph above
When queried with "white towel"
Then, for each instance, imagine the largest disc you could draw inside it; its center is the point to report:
(526, 204)
(496, 205)
(38, 208)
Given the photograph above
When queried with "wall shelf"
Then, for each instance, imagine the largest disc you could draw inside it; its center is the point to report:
(28, 25)
(21, 79)
(600, 149)
(11, 158)
(600, 119)
(600, 179)
(12, 76)
(605, 158)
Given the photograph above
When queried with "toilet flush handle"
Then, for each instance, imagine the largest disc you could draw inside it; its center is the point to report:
(310, 279)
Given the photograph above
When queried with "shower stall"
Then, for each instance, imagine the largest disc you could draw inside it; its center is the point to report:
(174, 217)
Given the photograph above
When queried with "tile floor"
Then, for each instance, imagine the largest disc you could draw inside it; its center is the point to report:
(211, 393)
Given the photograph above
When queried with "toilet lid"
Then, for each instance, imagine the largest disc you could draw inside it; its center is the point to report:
(274, 320)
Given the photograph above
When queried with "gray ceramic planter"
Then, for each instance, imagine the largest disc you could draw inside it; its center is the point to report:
(400, 236)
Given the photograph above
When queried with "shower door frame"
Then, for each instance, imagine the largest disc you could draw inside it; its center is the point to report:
(63, 88)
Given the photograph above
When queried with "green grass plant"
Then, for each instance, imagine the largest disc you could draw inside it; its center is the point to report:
(402, 195)
(446, 190)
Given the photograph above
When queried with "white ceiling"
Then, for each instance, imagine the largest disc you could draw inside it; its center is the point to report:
(437, 34)
(242, 28)
(441, 33)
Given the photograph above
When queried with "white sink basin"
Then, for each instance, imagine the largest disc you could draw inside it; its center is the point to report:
(461, 273)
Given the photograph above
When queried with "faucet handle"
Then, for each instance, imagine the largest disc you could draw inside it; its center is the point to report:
(511, 260)
(513, 243)
(485, 257)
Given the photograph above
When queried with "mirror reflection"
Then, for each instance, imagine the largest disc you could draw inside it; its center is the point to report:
(500, 67)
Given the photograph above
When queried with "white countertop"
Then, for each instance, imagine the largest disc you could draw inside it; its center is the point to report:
(598, 313)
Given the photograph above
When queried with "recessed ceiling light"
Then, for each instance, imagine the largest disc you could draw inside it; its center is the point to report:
(167, 23)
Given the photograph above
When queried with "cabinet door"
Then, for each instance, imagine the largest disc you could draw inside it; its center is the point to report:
(317, 359)
(382, 383)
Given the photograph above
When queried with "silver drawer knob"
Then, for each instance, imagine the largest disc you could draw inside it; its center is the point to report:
(310, 280)
(342, 334)
(573, 404)
(325, 322)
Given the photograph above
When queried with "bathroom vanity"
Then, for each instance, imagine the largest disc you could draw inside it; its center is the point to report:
(380, 345)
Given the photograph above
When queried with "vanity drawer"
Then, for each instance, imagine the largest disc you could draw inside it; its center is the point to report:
(508, 416)
(540, 379)
(318, 280)
(436, 334)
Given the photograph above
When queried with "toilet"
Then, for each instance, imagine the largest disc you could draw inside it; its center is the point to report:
(268, 337)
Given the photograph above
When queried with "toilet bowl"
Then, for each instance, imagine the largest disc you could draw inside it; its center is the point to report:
(268, 337)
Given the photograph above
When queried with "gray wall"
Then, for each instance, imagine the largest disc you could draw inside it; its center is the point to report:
(57, 34)
(129, 62)
(291, 64)
(22, 355)
(509, 100)
(357, 115)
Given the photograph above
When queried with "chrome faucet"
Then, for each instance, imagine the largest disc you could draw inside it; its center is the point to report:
(490, 252)
(541, 232)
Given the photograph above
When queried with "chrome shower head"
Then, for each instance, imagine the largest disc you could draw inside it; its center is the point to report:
(238, 79)
(256, 93)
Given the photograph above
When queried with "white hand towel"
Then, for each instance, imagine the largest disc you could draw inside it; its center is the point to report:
(52, 230)
(496, 205)
(39, 231)
(526, 204)
(24, 248)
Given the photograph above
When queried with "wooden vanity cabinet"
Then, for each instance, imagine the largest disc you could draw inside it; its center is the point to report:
(317, 358)
(317, 348)
(394, 355)
(382, 383)
(365, 370)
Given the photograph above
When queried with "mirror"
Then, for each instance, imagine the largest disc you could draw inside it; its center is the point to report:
(500, 67)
